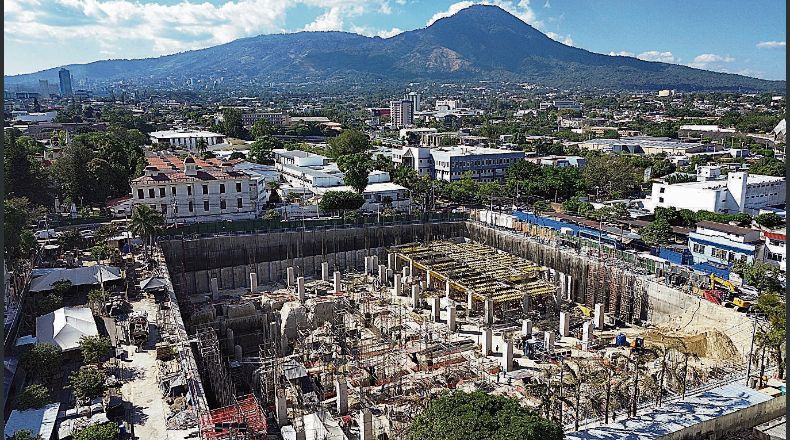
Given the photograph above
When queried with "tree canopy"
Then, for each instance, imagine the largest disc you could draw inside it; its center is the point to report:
(460, 416)
(657, 232)
(341, 201)
(356, 168)
(261, 151)
(348, 142)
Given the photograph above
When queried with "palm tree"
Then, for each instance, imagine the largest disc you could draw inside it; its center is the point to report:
(201, 146)
(146, 223)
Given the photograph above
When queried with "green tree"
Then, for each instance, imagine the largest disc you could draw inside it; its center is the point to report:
(333, 201)
(201, 146)
(232, 124)
(614, 176)
(19, 240)
(656, 233)
(271, 214)
(356, 168)
(576, 206)
(773, 336)
(274, 195)
(96, 299)
(459, 415)
(237, 155)
(48, 303)
(261, 128)
(768, 166)
(98, 431)
(146, 223)
(262, 150)
(105, 232)
(33, 396)
(24, 176)
(88, 382)
(462, 190)
(348, 142)
(42, 361)
(94, 348)
(762, 276)
(70, 240)
(769, 220)
(24, 434)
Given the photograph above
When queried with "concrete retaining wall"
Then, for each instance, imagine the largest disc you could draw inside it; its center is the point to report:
(745, 418)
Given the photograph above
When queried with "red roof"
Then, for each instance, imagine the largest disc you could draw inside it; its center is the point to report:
(775, 235)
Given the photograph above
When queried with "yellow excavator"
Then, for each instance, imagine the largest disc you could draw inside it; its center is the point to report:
(733, 300)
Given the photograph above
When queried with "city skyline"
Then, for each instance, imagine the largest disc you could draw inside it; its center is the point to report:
(48, 34)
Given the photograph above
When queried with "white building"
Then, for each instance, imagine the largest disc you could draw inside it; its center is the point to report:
(186, 139)
(723, 244)
(274, 118)
(447, 104)
(23, 116)
(647, 145)
(739, 192)
(774, 249)
(450, 163)
(196, 191)
(415, 100)
(401, 113)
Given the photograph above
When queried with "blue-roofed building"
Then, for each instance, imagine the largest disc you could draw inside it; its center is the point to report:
(692, 415)
(723, 244)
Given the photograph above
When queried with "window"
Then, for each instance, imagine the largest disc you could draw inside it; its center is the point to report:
(221, 188)
(161, 192)
(239, 203)
(151, 193)
(191, 207)
(189, 190)
(731, 257)
(222, 204)
(698, 248)
(173, 190)
(719, 253)
(660, 200)
(662, 190)
(140, 194)
(205, 189)
(205, 205)
(774, 257)
(164, 208)
(238, 187)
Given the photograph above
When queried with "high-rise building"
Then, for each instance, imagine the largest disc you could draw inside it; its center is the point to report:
(414, 97)
(65, 82)
(401, 113)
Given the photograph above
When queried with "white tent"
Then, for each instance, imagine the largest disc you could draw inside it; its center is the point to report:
(78, 276)
(65, 326)
(152, 283)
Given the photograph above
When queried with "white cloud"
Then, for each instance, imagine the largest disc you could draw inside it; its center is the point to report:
(520, 9)
(370, 32)
(771, 45)
(566, 40)
(654, 55)
(706, 60)
(622, 53)
(167, 27)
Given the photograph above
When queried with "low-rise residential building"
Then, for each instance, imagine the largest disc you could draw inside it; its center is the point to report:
(774, 249)
(559, 161)
(723, 244)
(739, 192)
(187, 139)
(450, 163)
(299, 158)
(195, 190)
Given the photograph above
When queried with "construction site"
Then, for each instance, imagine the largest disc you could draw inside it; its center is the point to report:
(348, 333)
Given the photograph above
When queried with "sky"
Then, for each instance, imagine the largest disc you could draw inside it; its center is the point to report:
(735, 36)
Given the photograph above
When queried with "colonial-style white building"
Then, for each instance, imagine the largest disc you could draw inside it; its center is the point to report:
(187, 139)
(196, 191)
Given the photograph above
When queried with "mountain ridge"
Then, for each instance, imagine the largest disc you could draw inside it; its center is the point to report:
(478, 42)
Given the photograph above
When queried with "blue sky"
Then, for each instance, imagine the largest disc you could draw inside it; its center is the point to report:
(746, 37)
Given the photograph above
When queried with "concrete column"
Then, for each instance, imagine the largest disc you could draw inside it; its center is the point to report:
(238, 353)
(391, 258)
(281, 408)
(411, 266)
(382, 274)
(564, 325)
(290, 275)
(507, 357)
(569, 288)
(390, 274)
(447, 288)
(229, 336)
(405, 271)
(368, 262)
(587, 331)
(365, 423)
(375, 262)
(427, 279)
(415, 297)
(342, 395)
(214, 289)
(526, 302)
(396, 289)
(451, 311)
(548, 341)
(489, 311)
(470, 302)
(325, 271)
(337, 285)
(253, 282)
(300, 289)
(598, 316)
(526, 328)
(488, 341)
(436, 308)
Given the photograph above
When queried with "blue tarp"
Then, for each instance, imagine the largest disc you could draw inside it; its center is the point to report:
(707, 268)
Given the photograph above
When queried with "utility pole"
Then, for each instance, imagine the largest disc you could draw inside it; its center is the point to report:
(751, 349)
